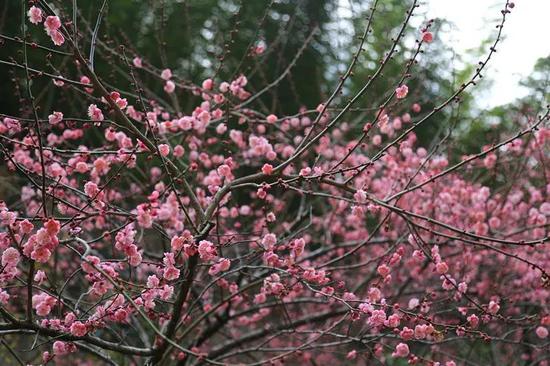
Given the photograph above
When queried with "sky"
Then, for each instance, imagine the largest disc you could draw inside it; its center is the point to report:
(527, 38)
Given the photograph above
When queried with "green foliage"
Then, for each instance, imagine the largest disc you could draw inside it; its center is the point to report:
(213, 38)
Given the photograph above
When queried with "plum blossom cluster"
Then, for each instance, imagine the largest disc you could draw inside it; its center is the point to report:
(43, 243)
(52, 24)
(225, 233)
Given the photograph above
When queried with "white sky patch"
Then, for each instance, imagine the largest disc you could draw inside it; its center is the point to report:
(526, 39)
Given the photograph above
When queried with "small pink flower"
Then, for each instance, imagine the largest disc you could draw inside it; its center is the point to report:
(271, 119)
(420, 331)
(86, 80)
(11, 126)
(43, 303)
(4, 297)
(207, 84)
(35, 15)
(145, 218)
(441, 268)
(298, 246)
(171, 273)
(51, 24)
(55, 118)
(473, 320)
(383, 270)
(259, 49)
(374, 294)
(10, 257)
(260, 298)
(224, 87)
(61, 348)
(26, 226)
(490, 161)
(169, 87)
(91, 189)
(57, 37)
(178, 151)
(41, 254)
(494, 307)
(153, 281)
(78, 329)
(52, 227)
(392, 321)
(137, 62)
(427, 37)
(221, 266)
(542, 332)
(90, 262)
(401, 350)
(351, 355)
(40, 277)
(121, 103)
(377, 318)
(166, 292)
(166, 74)
(207, 250)
(164, 149)
(224, 171)
(360, 196)
(81, 167)
(402, 91)
(221, 128)
(95, 113)
(304, 172)
(267, 169)
(269, 241)
(262, 194)
(407, 333)
(46, 357)
(120, 315)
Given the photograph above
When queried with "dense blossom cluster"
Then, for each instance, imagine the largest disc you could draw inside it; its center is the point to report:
(225, 232)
